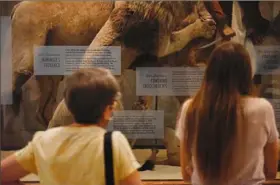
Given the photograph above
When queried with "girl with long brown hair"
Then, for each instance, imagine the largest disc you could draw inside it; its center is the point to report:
(228, 136)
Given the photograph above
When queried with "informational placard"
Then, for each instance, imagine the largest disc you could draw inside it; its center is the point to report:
(153, 81)
(49, 60)
(276, 106)
(64, 60)
(168, 81)
(186, 81)
(6, 61)
(268, 59)
(139, 124)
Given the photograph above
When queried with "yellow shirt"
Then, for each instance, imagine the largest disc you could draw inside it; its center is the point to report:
(75, 156)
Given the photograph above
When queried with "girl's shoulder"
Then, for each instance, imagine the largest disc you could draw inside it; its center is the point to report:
(258, 102)
(186, 103)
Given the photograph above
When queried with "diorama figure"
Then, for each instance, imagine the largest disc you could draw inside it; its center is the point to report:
(221, 18)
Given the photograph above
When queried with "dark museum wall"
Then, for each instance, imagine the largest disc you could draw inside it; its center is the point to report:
(6, 7)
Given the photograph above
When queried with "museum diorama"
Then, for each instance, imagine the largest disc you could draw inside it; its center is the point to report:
(157, 50)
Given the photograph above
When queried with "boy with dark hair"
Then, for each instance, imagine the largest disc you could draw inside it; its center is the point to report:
(74, 154)
(88, 93)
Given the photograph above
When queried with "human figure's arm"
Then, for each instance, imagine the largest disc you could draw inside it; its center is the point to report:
(255, 24)
(271, 149)
(217, 12)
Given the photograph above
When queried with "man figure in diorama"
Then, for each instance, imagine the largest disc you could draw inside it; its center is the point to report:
(248, 13)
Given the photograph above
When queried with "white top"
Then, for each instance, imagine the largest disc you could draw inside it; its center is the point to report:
(75, 155)
(262, 130)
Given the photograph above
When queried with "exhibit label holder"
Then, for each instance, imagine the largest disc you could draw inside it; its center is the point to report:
(168, 81)
(6, 71)
(271, 91)
(138, 124)
(6, 61)
(64, 60)
(156, 108)
(268, 60)
(268, 68)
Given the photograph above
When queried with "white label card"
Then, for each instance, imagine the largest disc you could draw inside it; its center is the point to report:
(168, 81)
(64, 60)
(6, 61)
(268, 59)
(139, 124)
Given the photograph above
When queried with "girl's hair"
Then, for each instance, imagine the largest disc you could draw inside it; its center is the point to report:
(214, 121)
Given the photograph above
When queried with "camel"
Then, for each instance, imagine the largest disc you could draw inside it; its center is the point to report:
(98, 24)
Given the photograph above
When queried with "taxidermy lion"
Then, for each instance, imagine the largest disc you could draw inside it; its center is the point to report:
(139, 27)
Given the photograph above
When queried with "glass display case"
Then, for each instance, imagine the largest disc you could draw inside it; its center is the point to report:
(159, 63)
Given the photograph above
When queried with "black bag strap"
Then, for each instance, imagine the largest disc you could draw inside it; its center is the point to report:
(108, 158)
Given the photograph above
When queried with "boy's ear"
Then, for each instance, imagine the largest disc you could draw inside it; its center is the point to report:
(108, 112)
(115, 105)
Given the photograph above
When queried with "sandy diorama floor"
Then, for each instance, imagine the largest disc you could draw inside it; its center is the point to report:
(161, 172)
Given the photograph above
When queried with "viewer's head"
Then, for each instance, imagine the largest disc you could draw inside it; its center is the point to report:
(229, 69)
(90, 95)
(215, 125)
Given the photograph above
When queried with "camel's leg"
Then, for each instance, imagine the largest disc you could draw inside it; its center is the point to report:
(62, 116)
(28, 31)
(105, 37)
(181, 38)
(48, 86)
